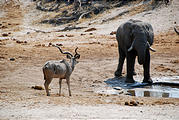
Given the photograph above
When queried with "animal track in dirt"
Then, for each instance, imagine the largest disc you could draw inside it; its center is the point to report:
(162, 68)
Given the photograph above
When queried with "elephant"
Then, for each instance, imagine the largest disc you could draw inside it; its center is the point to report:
(134, 38)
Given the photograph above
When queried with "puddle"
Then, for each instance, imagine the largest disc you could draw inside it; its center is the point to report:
(155, 91)
(166, 87)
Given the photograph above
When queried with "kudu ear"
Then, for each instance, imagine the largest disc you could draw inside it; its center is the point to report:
(77, 56)
(68, 56)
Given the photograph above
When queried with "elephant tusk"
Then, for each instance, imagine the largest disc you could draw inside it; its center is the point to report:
(150, 48)
(131, 46)
(153, 50)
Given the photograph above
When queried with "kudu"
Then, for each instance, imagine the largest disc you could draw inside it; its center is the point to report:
(60, 69)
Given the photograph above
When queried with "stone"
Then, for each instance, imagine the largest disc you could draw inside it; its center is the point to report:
(4, 34)
(12, 59)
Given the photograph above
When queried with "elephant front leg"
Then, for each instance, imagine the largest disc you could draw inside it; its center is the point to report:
(146, 67)
(122, 56)
(130, 66)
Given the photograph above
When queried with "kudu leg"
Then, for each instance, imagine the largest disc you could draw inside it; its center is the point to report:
(46, 84)
(68, 83)
(60, 86)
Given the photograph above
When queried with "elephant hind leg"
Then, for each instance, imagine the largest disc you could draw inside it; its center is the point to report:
(122, 57)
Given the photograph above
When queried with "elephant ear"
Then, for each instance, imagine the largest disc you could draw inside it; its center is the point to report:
(149, 32)
(133, 30)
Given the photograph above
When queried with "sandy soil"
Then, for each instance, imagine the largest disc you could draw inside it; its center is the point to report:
(23, 52)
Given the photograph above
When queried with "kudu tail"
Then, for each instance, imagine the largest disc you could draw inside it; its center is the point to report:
(44, 72)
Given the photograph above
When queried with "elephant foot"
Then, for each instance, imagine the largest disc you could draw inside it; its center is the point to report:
(128, 80)
(148, 81)
(117, 74)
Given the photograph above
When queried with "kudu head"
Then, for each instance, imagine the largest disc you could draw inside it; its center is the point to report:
(70, 56)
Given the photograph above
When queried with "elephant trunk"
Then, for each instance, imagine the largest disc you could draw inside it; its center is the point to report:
(141, 52)
(141, 57)
(140, 47)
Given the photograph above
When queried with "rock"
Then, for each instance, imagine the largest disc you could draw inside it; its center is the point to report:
(61, 36)
(37, 87)
(12, 59)
(4, 34)
(14, 39)
(2, 91)
(38, 45)
(18, 41)
(49, 44)
(174, 61)
(2, 43)
(141, 103)
(94, 43)
(82, 34)
(90, 29)
(126, 103)
(59, 44)
(3, 27)
(113, 32)
(112, 45)
(91, 34)
(69, 35)
(1, 57)
(131, 103)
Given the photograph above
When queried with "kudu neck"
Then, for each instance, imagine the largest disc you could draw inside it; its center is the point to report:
(72, 64)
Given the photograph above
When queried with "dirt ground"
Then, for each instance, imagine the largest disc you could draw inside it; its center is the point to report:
(24, 50)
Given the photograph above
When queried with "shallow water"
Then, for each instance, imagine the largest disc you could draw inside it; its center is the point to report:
(155, 91)
(167, 87)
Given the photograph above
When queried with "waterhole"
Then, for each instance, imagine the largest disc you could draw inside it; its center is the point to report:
(166, 87)
(155, 91)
